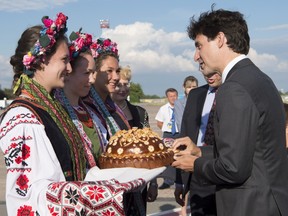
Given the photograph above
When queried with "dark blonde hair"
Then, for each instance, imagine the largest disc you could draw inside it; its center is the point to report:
(125, 73)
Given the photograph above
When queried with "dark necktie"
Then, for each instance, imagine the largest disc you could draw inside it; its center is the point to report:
(173, 128)
(209, 138)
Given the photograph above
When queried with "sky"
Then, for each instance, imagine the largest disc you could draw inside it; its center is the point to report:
(151, 35)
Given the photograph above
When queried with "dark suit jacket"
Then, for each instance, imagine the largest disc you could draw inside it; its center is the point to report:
(139, 115)
(250, 168)
(202, 198)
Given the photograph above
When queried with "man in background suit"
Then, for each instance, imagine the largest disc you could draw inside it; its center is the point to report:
(194, 122)
(190, 82)
(248, 163)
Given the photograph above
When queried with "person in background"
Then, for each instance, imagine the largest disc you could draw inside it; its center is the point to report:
(190, 82)
(194, 124)
(137, 116)
(92, 132)
(248, 162)
(165, 118)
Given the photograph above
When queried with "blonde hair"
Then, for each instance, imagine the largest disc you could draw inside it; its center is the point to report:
(125, 73)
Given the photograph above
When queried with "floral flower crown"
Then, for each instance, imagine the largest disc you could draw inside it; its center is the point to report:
(46, 41)
(79, 42)
(103, 45)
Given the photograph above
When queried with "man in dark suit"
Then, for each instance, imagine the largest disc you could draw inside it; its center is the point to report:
(194, 124)
(248, 163)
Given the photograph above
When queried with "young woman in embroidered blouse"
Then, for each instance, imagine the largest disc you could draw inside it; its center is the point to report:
(92, 131)
(42, 148)
(106, 79)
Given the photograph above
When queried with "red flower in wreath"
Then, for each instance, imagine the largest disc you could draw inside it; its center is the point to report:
(25, 151)
(95, 192)
(25, 211)
(22, 182)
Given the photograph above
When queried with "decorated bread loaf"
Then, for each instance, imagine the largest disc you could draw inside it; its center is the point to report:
(139, 148)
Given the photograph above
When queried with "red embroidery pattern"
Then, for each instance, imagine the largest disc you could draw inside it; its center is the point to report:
(27, 118)
(89, 198)
(22, 182)
(17, 153)
(26, 211)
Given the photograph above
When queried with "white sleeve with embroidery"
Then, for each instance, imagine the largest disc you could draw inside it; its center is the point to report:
(30, 161)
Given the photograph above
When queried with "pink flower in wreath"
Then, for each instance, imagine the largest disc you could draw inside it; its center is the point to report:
(95, 192)
(22, 182)
(47, 22)
(106, 42)
(28, 59)
(25, 211)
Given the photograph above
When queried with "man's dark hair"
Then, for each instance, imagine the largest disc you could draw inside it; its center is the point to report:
(231, 23)
(171, 90)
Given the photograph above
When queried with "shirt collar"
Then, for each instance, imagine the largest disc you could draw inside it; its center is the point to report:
(231, 65)
(211, 90)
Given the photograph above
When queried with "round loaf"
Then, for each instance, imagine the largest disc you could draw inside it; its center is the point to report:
(139, 148)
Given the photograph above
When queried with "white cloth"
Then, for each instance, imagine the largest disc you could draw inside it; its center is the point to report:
(205, 115)
(164, 115)
(124, 174)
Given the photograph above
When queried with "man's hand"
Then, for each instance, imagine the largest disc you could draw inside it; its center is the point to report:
(184, 161)
(191, 148)
(178, 194)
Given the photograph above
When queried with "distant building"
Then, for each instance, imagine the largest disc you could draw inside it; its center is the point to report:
(285, 98)
(4, 103)
(104, 24)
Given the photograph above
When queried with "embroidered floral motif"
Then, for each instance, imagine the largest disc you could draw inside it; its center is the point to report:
(52, 211)
(22, 182)
(72, 196)
(95, 192)
(89, 198)
(108, 213)
(25, 211)
(18, 153)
